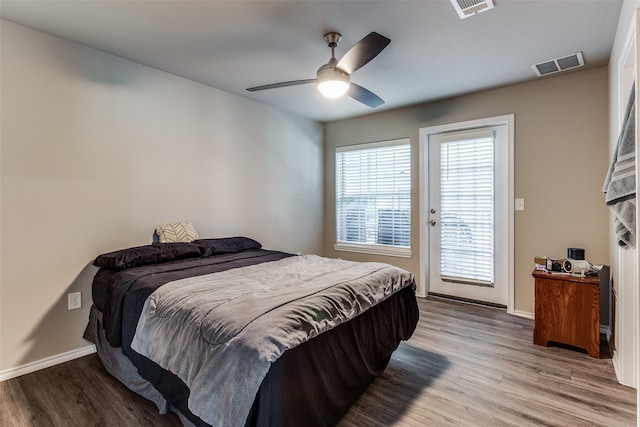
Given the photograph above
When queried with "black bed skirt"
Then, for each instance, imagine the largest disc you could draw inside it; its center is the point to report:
(316, 383)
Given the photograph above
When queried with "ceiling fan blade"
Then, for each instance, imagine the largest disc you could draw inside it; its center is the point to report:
(365, 96)
(362, 52)
(281, 84)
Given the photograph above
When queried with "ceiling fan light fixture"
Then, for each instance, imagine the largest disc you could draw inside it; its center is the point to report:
(332, 81)
(333, 88)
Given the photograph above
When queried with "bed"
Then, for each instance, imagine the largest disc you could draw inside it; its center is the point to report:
(226, 333)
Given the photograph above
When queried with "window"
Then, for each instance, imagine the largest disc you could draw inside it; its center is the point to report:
(373, 198)
(467, 207)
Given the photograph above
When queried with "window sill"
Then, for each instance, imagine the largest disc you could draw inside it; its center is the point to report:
(374, 249)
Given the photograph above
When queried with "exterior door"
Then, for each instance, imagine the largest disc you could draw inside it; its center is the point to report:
(468, 214)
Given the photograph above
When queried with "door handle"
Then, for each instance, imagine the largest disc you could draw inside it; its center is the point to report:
(432, 222)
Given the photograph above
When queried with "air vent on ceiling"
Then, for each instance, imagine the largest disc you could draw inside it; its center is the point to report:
(467, 8)
(559, 64)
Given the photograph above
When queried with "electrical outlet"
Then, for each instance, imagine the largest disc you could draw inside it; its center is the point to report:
(75, 300)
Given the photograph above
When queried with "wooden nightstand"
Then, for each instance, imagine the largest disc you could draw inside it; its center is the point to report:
(567, 311)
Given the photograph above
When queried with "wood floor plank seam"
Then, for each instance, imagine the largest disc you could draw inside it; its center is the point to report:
(466, 365)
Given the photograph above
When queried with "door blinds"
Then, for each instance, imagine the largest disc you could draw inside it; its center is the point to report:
(467, 207)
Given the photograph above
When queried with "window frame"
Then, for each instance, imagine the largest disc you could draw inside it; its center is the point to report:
(373, 248)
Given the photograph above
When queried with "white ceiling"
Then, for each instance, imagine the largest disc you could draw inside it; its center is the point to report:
(232, 45)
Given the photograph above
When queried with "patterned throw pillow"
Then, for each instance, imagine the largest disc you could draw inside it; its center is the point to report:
(177, 232)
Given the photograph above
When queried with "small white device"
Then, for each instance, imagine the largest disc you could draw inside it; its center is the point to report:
(576, 266)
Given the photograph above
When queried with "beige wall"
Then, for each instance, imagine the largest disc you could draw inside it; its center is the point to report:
(96, 151)
(561, 147)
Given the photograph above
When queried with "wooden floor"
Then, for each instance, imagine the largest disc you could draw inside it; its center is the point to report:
(465, 365)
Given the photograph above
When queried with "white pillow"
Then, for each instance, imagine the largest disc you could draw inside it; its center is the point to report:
(176, 232)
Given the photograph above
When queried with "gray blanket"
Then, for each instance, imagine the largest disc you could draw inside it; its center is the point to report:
(620, 182)
(220, 332)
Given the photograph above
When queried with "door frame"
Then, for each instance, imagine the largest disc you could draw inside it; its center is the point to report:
(423, 199)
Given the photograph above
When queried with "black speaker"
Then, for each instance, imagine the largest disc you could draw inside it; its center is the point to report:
(575, 253)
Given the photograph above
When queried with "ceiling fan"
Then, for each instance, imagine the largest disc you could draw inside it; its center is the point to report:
(334, 77)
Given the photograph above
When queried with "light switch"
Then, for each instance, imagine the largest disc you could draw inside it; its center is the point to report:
(519, 204)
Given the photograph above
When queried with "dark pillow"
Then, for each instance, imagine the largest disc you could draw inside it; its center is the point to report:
(227, 245)
(148, 254)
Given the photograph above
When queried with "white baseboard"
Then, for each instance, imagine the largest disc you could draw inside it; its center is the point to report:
(523, 314)
(47, 362)
(616, 366)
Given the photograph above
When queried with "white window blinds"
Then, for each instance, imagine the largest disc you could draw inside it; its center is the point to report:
(373, 193)
(467, 207)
